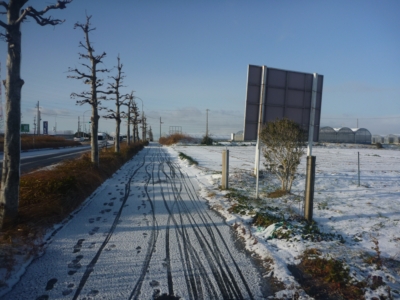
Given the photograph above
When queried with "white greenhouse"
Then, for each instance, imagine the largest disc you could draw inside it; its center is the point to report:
(344, 135)
(376, 138)
(392, 139)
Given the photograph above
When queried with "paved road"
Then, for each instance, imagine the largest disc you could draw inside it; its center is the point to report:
(33, 160)
(145, 234)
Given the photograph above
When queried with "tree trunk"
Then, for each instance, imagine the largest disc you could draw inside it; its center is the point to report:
(9, 192)
(118, 129)
(128, 131)
(94, 141)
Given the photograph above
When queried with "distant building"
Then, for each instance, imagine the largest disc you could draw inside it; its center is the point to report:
(345, 135)
(376, 138)
(392, 139)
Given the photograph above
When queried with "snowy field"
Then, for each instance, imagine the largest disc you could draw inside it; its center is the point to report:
(365, 216)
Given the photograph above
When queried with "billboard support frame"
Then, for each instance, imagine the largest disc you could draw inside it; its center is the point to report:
(312, 114)
(260, 122)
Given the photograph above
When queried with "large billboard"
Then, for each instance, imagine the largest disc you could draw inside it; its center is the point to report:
(287, 94)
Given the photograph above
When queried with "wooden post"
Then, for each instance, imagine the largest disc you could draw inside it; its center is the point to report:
(225, 170)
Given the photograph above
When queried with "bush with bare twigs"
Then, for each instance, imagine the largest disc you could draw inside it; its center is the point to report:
(174, 138)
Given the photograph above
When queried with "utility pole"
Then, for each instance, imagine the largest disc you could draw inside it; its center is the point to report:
(38, 119)
(34, 125)
(79, 127)
(160, 127)
(207, 124)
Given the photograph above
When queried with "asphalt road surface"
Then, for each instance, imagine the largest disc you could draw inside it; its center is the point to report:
(145, 234)
(33, 160)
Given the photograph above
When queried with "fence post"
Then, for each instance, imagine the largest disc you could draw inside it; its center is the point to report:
(225, 170)
(358, 154)
(309, 192)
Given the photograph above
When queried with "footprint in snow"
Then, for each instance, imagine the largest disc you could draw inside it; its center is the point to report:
(66, 292)
(77, 259)
(50, 284)
(74, 266)
(94, 230)
(78, 246)
(154, 283)
(93, 293)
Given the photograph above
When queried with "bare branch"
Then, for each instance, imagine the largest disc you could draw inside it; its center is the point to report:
(38, 15)
(4, 25)
(4, 4)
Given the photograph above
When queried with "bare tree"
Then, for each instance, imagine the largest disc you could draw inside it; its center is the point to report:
(91, 78)
(119, 99)
(132, 116)
(127, 115)
(284, 144)
(9, 193)
(144, 127)
(151, 138)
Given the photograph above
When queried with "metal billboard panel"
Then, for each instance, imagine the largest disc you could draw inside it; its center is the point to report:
(287, 95)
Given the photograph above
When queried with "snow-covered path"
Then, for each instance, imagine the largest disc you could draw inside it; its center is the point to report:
(144, 234)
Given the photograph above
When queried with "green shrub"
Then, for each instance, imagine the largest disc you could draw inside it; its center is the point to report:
(207, 140)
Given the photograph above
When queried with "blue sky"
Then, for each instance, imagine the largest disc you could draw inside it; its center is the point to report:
(183, 57)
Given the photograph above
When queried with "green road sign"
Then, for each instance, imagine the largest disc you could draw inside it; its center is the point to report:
(24, 127)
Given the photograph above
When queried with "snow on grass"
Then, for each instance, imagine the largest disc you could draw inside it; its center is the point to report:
(358, 224)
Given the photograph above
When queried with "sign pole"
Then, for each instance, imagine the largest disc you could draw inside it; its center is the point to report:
(260, 123)
(310, 170)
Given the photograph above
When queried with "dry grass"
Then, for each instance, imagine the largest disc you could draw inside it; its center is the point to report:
(29, 142)
(277, 194)
(174, 138)
(324, 278)
(47, 197)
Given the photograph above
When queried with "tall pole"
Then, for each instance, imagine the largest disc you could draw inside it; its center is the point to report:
(310, 170)
(207, 123)
(160, 127)
(260, 123)
(79, 127)
(38, 119)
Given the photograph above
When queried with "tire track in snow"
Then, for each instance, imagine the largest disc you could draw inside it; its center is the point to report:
(153, 237)
(195, 199)
(232, 285)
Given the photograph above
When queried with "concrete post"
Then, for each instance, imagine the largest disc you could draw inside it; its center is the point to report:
(225, 170)
(309, 192)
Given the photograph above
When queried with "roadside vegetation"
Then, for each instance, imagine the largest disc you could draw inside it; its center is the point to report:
(207, 140)
(29, 142)
(47, 197)
(174, 138)
(189, 159)
(284, 143)
(320, 276)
